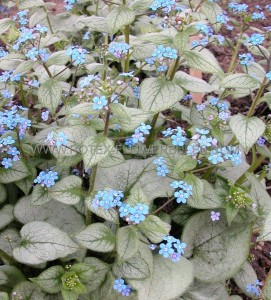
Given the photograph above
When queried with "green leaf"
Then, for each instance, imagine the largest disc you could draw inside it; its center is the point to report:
(67, 190)
(203, 61)
(101, 269)
(40, 195)
(119, 17)
(28, 290)
(134, 173)
(128, 117)
(231, 212)
(95, 149)
(218, 250)
(97, 237)
(17, 172)
(6, 215)
(107, 214)
(181, 41)
(158, 94)
(24, 67)
(181, 214)
(202, 291)
(127, 242)
(26, 183)
(168, 280)
(136, 196)
(5, 24)
(258, 193)
(192, 84)
(113, 159)
(50, 280)
(50, 94)
(43, 242)
(65, 217)
(266, 231)
(140, 5)
(4, 296)
(96, 24)
(58, 58)
(204, 195)
(245, 276)
(185, 163)
(9, 239)
(3, 193)
(239, 81)
(211, 10)
(24, 4)
(10, 276)
(154, 228)
(157, 38)
(133, 268)
(84, 271)
(247, 130)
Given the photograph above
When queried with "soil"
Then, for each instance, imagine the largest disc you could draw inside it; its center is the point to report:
(260, 252)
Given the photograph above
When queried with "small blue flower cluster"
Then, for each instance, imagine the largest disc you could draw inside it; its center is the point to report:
(21, 16)
(7, 94)
(254, 289)
(99, 102)
(183, 191)
(46, 178)
(172, 248)
(135, 214)
(57, 140)
(85, 82)
(162, 57)
(161, 167)
(246, 59)
(207, 30)
(121, 287)
(138, 136)
(10, 119)
(7, 149)
(3, 52)
(34, 83)
(45, 115)
(27, 34)
(119, 50)
(177, 136)
(268, 75)
(35, 54)
(69, 4)
(7, 76)
(226, 153)
(108, 199)
(256, 39)
(166, 5)
(221, 106)
(237, 7)
(78, 55)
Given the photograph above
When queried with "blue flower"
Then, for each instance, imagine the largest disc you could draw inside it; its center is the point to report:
(78, 55)
(256, 39)
(129, 143)
(159, 161)
(213, 101)
(223, 105)
(162, 171)
(45, 115)
(142, 209)
(7, 163)
(62, 139)
(184, 191)
(7, 141)
(222, 19)
(119, 285)
(258, 16)
(34, 83)
(179, 246)
(193, 150)
(168, 132)
(108, 199)
(69, 4)
(215, 157)
(7, 94)
(32, 53)
(86, 36)
(46, 178)
(119, 50)
(135, 216)
(200, 107)
(166, 250)
(41, 29)
(124, 210)
(138, 137)
(175, 256)
(144, 128)
(99, 102)
(236, 158)
(178, 139)
(246, 59)
(205, 141)
(238, 8)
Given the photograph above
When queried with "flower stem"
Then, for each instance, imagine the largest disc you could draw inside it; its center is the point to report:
(48, 20)
(5, 257)
(151, 136)
(90, 190)
(163, 206)
(235, 53)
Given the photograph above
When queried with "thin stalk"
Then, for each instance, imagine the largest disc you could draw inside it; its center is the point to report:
(151, 136)
(163, 206)
(47, 70)
(235, 53)
(48, 20)
(73, 81)
(107, 119)
(92, 179)
(5, 257)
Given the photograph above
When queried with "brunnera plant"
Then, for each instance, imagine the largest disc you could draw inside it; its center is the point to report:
(113, 182)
